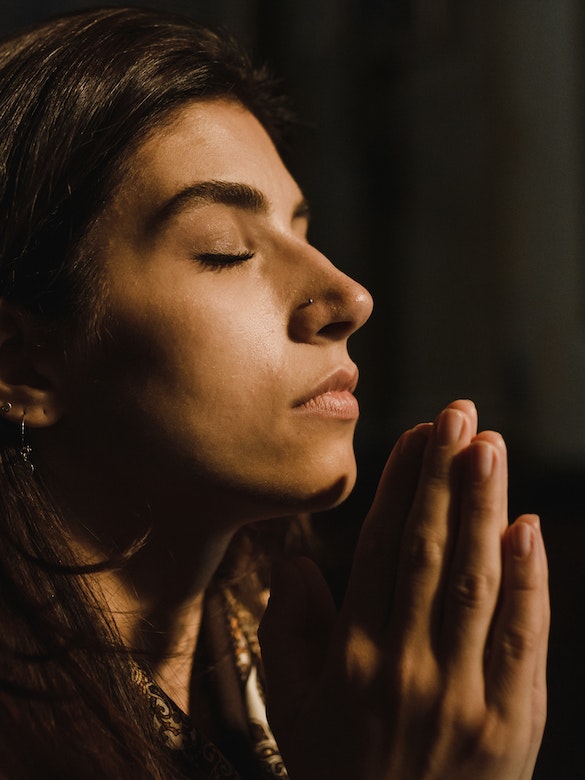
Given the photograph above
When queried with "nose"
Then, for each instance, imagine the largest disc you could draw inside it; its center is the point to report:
(329, 306)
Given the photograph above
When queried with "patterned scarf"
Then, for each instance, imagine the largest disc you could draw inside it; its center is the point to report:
(230, 669)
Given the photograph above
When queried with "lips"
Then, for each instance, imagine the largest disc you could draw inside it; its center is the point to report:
(334, 395)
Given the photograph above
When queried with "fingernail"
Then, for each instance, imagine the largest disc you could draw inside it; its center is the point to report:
(533, 520)
(414, 441)
(521, 540)
(449, 426)
(482, 461)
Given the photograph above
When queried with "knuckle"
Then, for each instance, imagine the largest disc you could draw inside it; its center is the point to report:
(497, 742)
(410, 681)
(460, 711)
(471, 589)
(401, 679)
(422, 552)
(490, 751)
(480, 739)
(390, 680)
(518, 642)
(362, 659)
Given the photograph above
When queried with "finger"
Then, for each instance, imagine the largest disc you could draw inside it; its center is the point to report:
(498, 442)
(518, 644)
(473, 582)
(428, 532)
(539, 690)
(369, 592)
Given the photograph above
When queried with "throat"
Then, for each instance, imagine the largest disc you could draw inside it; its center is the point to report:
(172, 667)
(167, 639)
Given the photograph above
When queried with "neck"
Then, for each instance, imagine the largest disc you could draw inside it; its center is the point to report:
(156, 597)
(156, 602)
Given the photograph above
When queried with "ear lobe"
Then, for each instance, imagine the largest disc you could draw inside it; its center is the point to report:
(30, 372)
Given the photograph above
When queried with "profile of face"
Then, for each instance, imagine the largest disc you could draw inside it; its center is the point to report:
(227, 370)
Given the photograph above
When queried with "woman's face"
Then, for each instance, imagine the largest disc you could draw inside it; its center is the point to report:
(227, 331)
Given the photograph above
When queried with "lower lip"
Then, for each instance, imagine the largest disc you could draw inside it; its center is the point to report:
(342, 404)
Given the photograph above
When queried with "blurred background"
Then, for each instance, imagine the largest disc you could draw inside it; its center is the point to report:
(442, 152)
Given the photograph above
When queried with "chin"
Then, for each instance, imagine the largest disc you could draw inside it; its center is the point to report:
(300, 502)
(313, 486)
(329, 494)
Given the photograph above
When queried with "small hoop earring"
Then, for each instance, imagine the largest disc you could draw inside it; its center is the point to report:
(25, 449)
(6, 407)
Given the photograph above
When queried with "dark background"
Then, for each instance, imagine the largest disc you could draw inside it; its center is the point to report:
(443, 159)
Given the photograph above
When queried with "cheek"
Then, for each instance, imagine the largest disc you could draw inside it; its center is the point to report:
(214, 382)
(202, 420)
(205, 393)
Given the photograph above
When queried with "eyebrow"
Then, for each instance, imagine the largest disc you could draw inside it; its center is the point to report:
(228, 193)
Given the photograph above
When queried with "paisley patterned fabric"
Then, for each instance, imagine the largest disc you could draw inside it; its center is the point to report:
(197, 756)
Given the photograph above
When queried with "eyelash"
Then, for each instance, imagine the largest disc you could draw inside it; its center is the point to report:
(221, 260)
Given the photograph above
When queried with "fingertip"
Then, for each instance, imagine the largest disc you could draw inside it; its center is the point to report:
(467, 406)
(456, 423)
(521, 539)
(413, 442)
(481, 460)
(493, 437)
(424, 427)
(484, 457)
(532, 520)
(523, 533)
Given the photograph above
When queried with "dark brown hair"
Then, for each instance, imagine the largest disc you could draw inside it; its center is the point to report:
(77, 94)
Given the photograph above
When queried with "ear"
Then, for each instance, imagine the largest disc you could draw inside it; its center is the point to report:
(31, 373)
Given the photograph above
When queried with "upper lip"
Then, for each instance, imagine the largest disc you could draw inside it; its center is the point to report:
(345, 378)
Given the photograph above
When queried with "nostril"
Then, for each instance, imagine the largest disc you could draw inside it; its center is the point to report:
(337, 330)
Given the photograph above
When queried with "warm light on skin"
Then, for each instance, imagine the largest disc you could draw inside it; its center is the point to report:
(189, 420)
(213, 359)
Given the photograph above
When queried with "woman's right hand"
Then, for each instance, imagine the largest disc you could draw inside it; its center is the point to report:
(435, 665)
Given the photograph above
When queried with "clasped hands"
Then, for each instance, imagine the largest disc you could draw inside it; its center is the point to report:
(434, 667)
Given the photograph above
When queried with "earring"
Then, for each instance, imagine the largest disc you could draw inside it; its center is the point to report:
(25, 449)
(6, 407)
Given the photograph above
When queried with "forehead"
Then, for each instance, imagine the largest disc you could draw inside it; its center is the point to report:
(215, 140)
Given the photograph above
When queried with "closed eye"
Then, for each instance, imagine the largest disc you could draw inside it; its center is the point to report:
(222, 259)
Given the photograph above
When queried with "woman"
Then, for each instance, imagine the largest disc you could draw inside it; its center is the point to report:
(174, 368)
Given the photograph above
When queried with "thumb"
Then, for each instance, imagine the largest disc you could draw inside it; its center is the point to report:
(294, 636)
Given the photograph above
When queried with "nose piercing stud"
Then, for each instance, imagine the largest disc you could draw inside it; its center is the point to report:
(309, 302)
